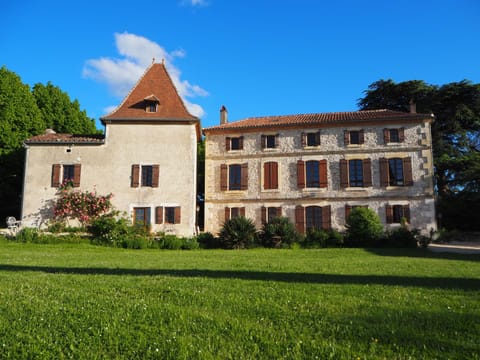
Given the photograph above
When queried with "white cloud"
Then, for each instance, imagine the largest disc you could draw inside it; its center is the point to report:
(121, 74)
(194, 2)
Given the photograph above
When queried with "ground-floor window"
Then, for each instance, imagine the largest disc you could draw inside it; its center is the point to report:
(141, 217)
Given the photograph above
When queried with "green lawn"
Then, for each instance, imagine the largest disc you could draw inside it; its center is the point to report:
(86, 302)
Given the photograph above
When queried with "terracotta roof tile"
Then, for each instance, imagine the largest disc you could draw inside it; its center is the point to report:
(53, 138)
(319, 119)
(156, 85)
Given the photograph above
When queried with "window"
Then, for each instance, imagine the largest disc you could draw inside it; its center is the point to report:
(270, 213)
(234, 177)
(145, 175)
(234, 143)
(270, 175)
(311, 139)
(141, 217)
(232, 212)
(395, 213)
(168, 215)
(312, 217)
(355, 173)
(396, 172)
(63, 173)
(269, 141)
(314, 172)
(353, 137)
(394, 135)
(151, 106)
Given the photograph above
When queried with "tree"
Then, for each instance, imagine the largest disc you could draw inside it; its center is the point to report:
(60, 113)
(455, 135)
(364, 227)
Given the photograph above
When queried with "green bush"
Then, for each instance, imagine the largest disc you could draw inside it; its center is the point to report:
(207, 240)
(401, 237)
(27, 235)
(107, 230)
(280, 232)
(364, 228)
(169, 242)
(190, 244)
(238, 233)
(134, 241)
(317, 238)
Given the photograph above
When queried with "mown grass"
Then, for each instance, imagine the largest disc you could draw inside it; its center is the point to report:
(85, 302)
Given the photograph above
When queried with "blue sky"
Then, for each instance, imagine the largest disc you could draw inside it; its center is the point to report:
(257, 58)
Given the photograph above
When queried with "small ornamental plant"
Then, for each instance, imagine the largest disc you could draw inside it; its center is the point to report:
(81, 205)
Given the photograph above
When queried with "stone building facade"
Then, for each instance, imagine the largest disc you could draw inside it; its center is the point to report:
(314, 168)
(147, 159)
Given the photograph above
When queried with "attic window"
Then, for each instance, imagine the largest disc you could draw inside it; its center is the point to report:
(151, 106)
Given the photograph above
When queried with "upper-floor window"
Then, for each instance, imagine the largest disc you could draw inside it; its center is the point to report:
(145, 175)
(66, 173)
(269, 141)
(394, 135)
(355, 173)
(270, 175)
(312, 174)
(234, 143)
(396, 172)
(234, 177)
(353, 137)
(311, 139)
(151, 106)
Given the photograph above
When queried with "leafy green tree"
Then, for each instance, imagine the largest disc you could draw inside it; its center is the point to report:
(60, 113)
(364, 227)
(455, 138)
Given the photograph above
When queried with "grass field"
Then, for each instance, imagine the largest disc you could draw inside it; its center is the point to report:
(85, 302)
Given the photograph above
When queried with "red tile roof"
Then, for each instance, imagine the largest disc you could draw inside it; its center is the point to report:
(321, 119)
(53, 138)
(155, 84)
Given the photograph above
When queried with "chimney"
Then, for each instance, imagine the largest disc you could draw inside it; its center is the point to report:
(223, 115)
(413, 107)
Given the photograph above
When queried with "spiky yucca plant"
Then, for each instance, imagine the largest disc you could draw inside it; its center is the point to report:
(238, 233)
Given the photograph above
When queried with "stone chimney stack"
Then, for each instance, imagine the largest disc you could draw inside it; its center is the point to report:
(413, 107)
(223, 115)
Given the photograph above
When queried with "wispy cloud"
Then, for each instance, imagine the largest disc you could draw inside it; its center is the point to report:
(137, 52)
(194, 3)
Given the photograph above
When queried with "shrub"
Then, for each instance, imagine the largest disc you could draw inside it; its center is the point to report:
(107, 230)
(169, 242)
(363, 228)
(134, 241)
(238, 233)
(279, 232)
(190, 244)
(207, 240)
(401, 237)
(27, 235)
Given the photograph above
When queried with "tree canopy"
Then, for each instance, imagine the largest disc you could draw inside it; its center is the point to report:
(455, 138)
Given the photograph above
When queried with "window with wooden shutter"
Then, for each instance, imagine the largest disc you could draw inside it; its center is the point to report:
(361, 137)
(135, 175)
(326, 217)
(270, 175)
(346, 137)
(177, 215)
(227, 143)
(300, 174)
(407, 171)
(77, 169)
(263, 141)
(227, 213)
(155, 175)
(244, 177)
(56, 168)
(389, 214)
(223, 177)
(263, 215)
(242, 211)
(343, 173)
(386, 136)
(323, 173)
(303, 139)
(348, 208)
(401, 134)
(383, 171)
(396, 213)
(300, 219)
(159, 215)
(367, 172)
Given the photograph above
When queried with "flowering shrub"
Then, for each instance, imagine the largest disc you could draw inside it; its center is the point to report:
(81, 205)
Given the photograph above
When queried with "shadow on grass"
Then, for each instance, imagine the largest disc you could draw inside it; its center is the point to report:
(424, 253)
(389, 280)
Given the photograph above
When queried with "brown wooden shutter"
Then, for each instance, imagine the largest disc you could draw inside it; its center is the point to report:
(383, 171)
(155, 175)
(323, 173)
(270, 175)
(242, 211)
(401, 134)
(277, 137)
(135, 175)
(227, 213)
(223, 177)
(346, 137)
(361, 137)
(77, 170)
(300, 219)
(178, 215)
(266, 176)
(407, 171)
(56, 175)
(159, 215)
(304, 139)
(406, 212)
(263, 141)
(279, 211)
(326, 217)
(348, 208)
(343, 173)
(386, 136)
(227, 143)
(367, 172)
(300, 174)
(263, 215)
(389, 213)
(317, 138)
(244, 177)
(240, 143)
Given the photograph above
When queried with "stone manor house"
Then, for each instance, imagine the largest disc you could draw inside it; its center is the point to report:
(312, 168)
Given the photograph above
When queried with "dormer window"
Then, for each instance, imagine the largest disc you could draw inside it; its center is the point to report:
(151, 103)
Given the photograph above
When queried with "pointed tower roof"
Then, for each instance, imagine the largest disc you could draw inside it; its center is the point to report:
(153, 98)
